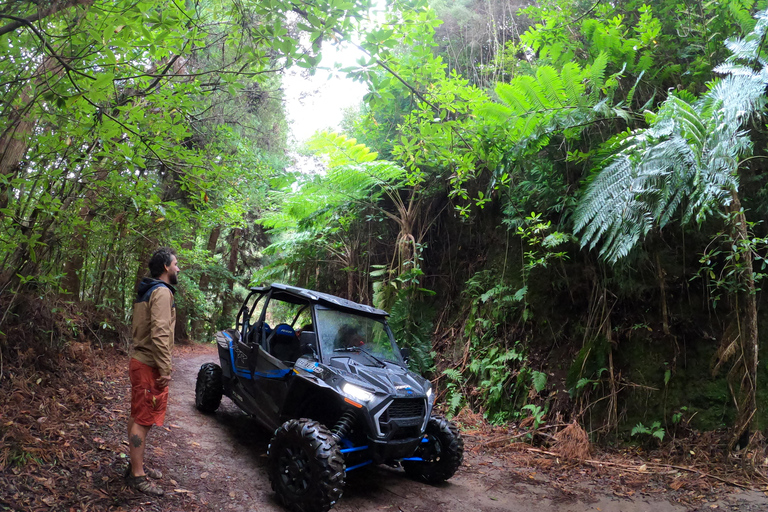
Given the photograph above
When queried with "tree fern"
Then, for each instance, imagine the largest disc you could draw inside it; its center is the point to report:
(687, 157)
(314, 211)
(530, 107)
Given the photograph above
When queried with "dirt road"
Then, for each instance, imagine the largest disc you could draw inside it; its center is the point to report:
(221, 460)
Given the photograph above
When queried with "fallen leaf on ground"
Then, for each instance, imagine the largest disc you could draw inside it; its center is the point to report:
(676, 484)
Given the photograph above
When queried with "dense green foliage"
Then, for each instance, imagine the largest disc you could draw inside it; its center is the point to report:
(126, 125)
(560, 204)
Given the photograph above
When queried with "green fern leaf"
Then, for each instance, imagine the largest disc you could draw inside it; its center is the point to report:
(573, 84)
(551, 86)
(533, 92)
(495, 112)
(508, 94)
(597, 75)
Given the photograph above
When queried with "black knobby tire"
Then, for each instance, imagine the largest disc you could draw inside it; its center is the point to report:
(442, 454)
(209, 388)
(306, 466)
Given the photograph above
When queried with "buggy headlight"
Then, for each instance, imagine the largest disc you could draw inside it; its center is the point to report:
(357, 393)
(429, 394)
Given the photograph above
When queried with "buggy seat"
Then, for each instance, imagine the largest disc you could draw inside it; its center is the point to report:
(284, 345)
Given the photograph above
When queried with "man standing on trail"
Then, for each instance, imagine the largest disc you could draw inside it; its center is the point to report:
(154, 319)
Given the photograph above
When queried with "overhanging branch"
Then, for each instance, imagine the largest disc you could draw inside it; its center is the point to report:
(40, 14)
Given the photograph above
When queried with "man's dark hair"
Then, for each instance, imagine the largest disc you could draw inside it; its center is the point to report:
(159, 260)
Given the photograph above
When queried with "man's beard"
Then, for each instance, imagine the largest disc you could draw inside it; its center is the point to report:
(173, 278)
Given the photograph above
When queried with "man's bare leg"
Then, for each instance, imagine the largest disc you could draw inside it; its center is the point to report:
(137, 440)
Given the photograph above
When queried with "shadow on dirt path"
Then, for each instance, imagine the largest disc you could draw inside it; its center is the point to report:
(220, 460)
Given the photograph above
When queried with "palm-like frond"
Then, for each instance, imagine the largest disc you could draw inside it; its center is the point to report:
(685, 160)
(555, 92)
(496, 111)
(530, 107)
(573, 86)
(512, 96)
(598, 75)
(340, 150)
(353, 175)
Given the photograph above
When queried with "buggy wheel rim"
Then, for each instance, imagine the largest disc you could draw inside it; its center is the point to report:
(430, 451)
(294, 470)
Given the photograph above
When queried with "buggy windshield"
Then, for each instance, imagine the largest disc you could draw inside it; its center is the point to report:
(346, 332)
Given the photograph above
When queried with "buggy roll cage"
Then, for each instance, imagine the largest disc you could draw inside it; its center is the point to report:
(295, 295)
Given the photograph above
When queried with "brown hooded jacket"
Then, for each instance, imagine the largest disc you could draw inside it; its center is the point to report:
(154, 318)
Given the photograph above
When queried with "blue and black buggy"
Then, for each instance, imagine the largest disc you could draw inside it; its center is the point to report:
(326, 375)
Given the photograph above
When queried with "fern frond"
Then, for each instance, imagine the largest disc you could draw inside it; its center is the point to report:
(597, 75)
(551, 86)
(742, 16)
(686, 121)
(533, 93)
(687, 159)
(510, 96)
(573, 85)
(495, 112)
(631, 93)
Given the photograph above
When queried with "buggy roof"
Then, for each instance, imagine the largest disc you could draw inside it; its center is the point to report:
(297, 295)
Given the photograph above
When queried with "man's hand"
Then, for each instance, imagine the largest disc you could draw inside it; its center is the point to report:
(163, 381)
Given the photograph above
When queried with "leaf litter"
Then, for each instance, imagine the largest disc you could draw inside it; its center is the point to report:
(63, 413)
(691, 471)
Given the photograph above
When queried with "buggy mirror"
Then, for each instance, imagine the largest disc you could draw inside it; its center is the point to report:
(406, 354)
(308, 340)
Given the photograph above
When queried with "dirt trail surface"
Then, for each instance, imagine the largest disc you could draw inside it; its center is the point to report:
(218, 462)
(63, 448)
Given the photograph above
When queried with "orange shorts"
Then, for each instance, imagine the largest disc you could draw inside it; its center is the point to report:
(148, 402)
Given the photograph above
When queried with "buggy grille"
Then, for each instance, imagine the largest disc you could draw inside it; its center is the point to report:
(403, 418)
(406, 408)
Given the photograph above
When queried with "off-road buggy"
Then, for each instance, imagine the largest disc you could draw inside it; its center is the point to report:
(332, 384)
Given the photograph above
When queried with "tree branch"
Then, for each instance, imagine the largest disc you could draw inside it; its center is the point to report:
(44, 13)
(53, 53)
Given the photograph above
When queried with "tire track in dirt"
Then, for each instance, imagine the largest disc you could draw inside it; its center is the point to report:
(221, 460)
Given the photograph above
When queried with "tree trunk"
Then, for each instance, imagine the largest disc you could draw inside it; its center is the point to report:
(229, 302)
(143, 255)
(748, 340)
(101, 280)
(52, 9)
(351, 262)
(14, 140)
(205, 279)
(79, 246)
(661, 275)
(180, 333)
